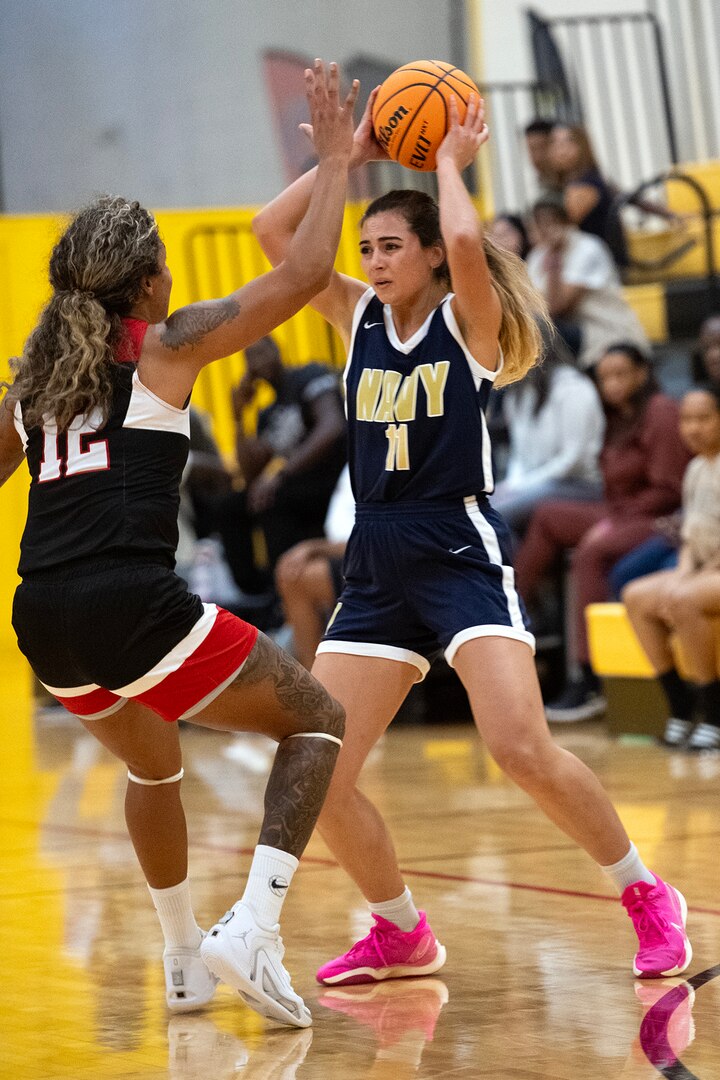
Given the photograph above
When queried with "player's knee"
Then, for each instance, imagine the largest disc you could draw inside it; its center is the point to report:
(634, 595)
(520, 759)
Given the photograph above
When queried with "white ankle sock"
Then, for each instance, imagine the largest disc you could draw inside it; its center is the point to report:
(401, 911)
(630, 869)
(176, 917)
(268, 881)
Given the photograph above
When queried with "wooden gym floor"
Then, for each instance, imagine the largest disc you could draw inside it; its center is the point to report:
(538, 981)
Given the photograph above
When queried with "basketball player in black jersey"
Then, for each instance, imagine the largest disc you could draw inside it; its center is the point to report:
(99, 405)
(427, 568)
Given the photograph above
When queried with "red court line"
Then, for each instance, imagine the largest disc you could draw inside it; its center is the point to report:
(550, 890)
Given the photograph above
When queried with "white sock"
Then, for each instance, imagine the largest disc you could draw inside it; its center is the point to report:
(268, 881)
(630, 869)
(401, 911)
(176, 916)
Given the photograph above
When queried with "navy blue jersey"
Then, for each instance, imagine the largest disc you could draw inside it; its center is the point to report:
(415, 409)
(111, 490)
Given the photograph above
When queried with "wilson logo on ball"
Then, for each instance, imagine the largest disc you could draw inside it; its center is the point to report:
(411, 113)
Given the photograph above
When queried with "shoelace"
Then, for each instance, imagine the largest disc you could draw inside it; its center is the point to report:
(374, 940)
(645, 918)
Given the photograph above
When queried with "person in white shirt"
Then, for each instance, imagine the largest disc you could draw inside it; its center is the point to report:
(555, 423)
(578, 277)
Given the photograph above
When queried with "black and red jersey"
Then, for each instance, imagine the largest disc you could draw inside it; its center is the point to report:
(107, 490)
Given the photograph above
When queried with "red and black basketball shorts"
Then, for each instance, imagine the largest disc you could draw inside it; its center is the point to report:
(111, 631)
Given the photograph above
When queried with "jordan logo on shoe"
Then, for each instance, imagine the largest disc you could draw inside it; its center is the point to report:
(242, 936)
(278, 885)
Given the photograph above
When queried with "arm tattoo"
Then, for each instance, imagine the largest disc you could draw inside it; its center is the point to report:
(303, 768)
(189, 325)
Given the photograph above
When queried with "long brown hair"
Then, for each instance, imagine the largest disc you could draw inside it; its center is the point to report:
(96, 272)
(523, 307)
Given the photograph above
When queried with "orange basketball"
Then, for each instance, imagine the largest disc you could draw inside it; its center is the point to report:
(411, 114)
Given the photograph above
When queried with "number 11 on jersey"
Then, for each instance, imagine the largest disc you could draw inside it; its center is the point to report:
(398, 455)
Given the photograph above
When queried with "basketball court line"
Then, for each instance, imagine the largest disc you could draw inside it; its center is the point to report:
(316, 861)
(654, 1028)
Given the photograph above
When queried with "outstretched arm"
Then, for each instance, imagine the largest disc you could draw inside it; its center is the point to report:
(476, 305)
(11, 449)
(277, 223)
(176, 350)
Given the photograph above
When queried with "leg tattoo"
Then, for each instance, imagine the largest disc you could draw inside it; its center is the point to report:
(303, 767)
(296, 791)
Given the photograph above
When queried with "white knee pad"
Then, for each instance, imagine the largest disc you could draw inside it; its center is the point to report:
(315, 735)
(154, 783)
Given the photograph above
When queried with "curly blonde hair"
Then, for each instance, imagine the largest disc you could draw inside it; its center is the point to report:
(96, 272)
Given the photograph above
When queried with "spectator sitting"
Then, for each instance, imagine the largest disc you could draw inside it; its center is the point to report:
(642, 463)
(556, 422)
(507, 231)
(685, 601)
(661, 551)
(303, 433)
(537, 143)
(576, 274)
(706, 358)
(309, 575)
(587, 195)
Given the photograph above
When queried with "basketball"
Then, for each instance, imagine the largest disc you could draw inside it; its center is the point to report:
(411, 113)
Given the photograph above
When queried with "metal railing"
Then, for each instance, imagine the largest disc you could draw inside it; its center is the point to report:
(706, 212)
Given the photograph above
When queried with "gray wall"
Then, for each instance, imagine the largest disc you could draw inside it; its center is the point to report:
(164, 100)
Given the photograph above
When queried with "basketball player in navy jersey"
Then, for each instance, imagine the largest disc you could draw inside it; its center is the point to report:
(427, 567)
(99, 405)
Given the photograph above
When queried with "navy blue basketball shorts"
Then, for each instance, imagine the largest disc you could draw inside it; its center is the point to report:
(422, 578)
(103, 631)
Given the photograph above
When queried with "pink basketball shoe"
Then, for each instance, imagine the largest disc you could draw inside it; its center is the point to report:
(386, 953)
(659, 914)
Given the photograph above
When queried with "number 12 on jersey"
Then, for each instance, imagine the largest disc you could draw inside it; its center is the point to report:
(85, 452)
(398, 454)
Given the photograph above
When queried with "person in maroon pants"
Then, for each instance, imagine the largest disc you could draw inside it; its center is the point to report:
(642, 462)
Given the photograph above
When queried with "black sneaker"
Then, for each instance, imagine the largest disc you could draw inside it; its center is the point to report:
(704, 737)
(676, 732)
(577, 702)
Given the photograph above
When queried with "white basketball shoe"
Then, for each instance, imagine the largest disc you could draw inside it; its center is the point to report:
(188, 983)
(248, 957)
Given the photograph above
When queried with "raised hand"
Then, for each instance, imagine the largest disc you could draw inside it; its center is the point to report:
(332, 123)
(463, 141)
(366, 147)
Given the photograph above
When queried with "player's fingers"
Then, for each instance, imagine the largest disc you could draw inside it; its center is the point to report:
(471, 114)
(320, 79)
(333, 82)
(454, 117)
(307, 130)
(352, 96)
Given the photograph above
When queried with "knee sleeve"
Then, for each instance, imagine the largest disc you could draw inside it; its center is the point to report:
(153, 783)
(311, 735)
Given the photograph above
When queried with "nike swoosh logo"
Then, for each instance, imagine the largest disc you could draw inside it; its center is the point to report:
(368, 325)
(680, 928)
(456, 551)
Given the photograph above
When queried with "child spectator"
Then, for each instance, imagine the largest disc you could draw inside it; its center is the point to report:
(685, 600)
